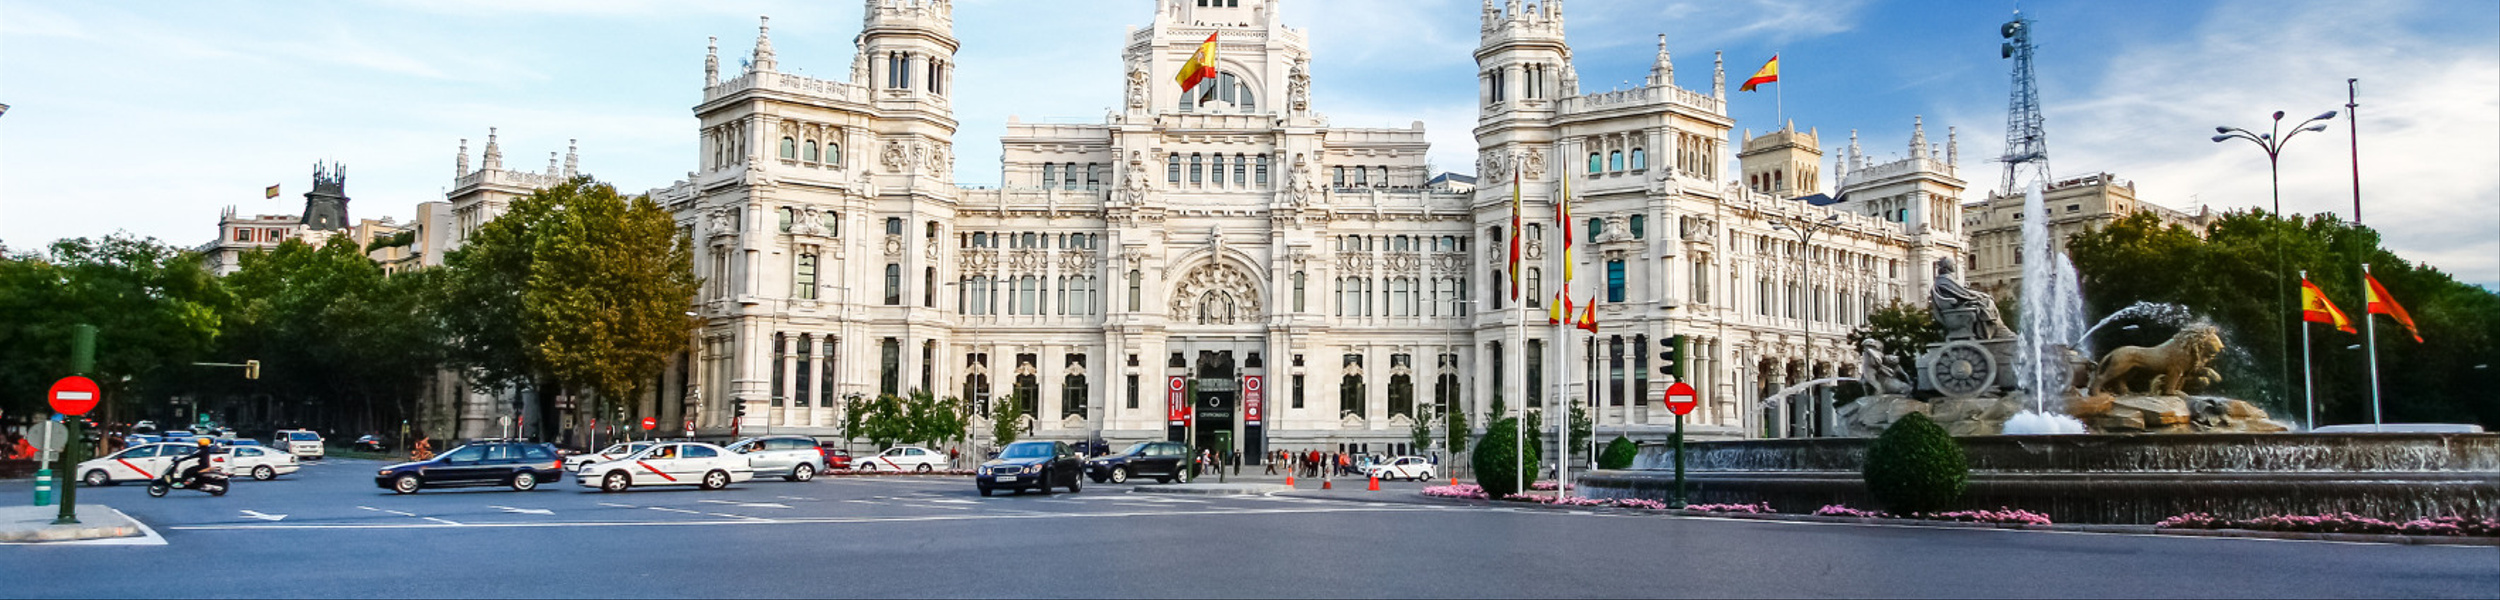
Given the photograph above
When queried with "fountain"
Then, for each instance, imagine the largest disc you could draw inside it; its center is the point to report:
(2051, 424)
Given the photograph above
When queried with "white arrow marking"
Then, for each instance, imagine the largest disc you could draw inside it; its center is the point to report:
(253, 514)
(525, 511)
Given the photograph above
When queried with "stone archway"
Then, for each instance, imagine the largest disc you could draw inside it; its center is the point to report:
(1217, 293)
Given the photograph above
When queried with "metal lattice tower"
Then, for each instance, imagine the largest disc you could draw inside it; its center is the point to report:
(2026, 135)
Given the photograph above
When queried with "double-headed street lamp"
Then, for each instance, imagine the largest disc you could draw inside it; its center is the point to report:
(1805, 231)
(2272, 142)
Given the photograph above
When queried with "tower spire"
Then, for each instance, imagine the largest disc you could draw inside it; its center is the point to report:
(460, 167)
(1857, 156)
(763, 46)
(572, 157)
(1952, 148)
(1662, 72)
(494, 152)
(711, 61)
(1718, 74)
(551, 163)
(1918, 136)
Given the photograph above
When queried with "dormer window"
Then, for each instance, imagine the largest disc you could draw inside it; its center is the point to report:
(1224, 86)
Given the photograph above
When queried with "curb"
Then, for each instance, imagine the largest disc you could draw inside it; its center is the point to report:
(97, 522)
(2358, 538)
(1215, 489)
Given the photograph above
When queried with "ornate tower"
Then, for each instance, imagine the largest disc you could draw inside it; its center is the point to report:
(1785, 163)
(325, 207)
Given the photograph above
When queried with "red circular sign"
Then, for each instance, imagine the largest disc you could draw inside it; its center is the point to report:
(73, 395)
(649, 423)
(1681, 398)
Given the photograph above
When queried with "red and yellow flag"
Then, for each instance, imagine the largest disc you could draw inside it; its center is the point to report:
(2315, 308)
(1588, 315)
(1201, 65)
(272, 192)
(1769, 72)
(2383, 304)
(1518, 228)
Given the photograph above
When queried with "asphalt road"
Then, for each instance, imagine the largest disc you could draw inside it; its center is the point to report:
(935, 537)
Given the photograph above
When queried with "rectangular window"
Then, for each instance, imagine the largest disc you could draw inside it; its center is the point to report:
(833, 366)
(805, 378)
(1132, 392)
(893, 284)
(1614, 281)
(1297, 390)
(890, 366)
(1614, 366)
(1640, 370)
(1536, 373)
(780, 366)
(1262, 169)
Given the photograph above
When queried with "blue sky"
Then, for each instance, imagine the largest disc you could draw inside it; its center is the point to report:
(152, 116)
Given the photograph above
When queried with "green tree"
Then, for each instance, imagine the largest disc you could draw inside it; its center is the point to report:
(1581, 428)
(1456, 430)
(605, 302)
(1619, 453)
(1420, 434)
(1006, 413)
(333, 333)
(885, 421)
(1496, 460)
(154, 308)
(1915, 467)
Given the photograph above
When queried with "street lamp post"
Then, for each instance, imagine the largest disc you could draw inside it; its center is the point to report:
(2272, 142)
(1805, 231)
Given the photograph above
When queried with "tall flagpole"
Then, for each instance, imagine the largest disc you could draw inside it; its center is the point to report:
(1519, 334)
(1562, 343)
(2308, 380)
(2370, 330)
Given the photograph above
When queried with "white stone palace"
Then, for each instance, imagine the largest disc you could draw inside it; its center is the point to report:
(1229, 259)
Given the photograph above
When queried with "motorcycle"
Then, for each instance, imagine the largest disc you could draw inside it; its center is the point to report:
(211, 481)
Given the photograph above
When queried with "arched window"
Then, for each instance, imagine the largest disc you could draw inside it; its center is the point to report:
(1350, 389)
(1362, 177)
(789, 148)
(1614, 160)
(833, 154)
(1241, 170)
(1597, 164)
(1639, 229)
(1026, 302)
(1640, 159)
(1597, 229)
(1262, 169)
(1197, 169)
(1136, 290)
(928, 287)
(1172, 169)
(893, 284)
(810, 156)
(1050, 174)
(980, 239)
(893, 226)
(1219, 170)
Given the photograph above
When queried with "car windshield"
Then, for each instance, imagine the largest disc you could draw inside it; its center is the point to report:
(304, 436)
(1136, 449)
(1027, 450)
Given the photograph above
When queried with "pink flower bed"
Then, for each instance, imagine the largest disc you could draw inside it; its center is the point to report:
(1758, 508)
(1545, 486)
(1464, 490)
(2002, 515)
(2340, 523)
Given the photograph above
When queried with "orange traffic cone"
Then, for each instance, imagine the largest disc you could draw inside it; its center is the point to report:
(1288, 480)
(1453, 481)
(1327, 485)
(1375, 483)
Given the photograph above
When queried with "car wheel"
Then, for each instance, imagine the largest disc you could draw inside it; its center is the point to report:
(524, 481)
(715, 480)
(616, 482)
(264, 473)
(924, 468)
(1075, 486)
(1046, 482)
(407, 484)
(803, 473)
(865, 467)
(1119, 474)
(98, 478)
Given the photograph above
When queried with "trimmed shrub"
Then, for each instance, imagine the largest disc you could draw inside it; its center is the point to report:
(1496, 458)
(1915, 467)
(1618, 454)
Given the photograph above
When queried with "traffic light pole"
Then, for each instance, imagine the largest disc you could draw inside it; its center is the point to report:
(1679, 461)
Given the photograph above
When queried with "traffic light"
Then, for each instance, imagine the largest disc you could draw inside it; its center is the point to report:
(251, 369)
(741, 409)
(1670, 357)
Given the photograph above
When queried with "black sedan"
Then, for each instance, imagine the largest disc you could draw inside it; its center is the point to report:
(1024, 465)
(1160, 460)
(521, 465)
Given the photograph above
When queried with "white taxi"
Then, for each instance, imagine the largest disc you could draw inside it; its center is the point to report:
(902, 458)
(136, 463)
(1404, 467)
(299, 442)
(259, 462)
(667, 463)
(575, 462)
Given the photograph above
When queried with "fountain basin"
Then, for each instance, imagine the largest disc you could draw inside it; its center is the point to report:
(2138, 478)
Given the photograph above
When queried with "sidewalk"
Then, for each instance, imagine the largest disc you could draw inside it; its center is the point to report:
(21, 524)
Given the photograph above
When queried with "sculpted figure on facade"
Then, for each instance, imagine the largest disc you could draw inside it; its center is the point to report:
(1133, 181)
(1299, 86)
(1137, 82)
(892, 157)
(1305, 180)
(1535, 167)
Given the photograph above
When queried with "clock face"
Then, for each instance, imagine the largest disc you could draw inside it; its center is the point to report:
(1963, 369)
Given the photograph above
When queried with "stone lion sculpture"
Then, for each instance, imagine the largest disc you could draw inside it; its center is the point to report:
(2187, 352)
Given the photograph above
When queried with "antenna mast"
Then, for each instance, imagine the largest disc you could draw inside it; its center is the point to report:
(2026, 136)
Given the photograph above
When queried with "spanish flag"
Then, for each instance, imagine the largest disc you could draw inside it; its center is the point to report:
(1201, 65)
(1588, 315)
(1770, 72)
(272, 192)
(2315, 308)
(1518, 228)
(2383, 304)
(1559, 309)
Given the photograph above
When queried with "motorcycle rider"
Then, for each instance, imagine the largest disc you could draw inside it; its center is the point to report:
(193, 472)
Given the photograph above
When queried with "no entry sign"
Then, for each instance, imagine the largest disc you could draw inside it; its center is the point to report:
(73, 395)
(649, 423)
(1681, 398)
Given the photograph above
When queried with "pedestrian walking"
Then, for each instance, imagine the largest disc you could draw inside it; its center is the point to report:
(1271, 462)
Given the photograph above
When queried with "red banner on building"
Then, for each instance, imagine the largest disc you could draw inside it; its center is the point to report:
(1176, 402)
(1253, 397)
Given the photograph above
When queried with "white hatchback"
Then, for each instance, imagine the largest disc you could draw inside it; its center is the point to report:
(902, 458)
(260, 463)
(667, 463)
(1404, 467)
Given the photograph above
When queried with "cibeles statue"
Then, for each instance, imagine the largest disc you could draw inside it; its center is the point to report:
(1880, 370)
(1965, 313)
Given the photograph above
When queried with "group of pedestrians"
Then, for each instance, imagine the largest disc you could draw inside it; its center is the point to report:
(1311, 463)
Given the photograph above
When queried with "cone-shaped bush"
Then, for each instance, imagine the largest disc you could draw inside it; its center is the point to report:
(1496, 460)
(1915, 467)
(1618, 454)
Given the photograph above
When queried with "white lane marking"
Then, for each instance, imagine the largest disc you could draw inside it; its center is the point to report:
(403, 514)
(254, 514)
(748, 504)
(525, 511)
(952, 501)
(677, 510)
(444, 521)
(796, 498)
(1060, 501)
(615, 505)
(939, 507)
(867, 502)
(986, 516)
(738, 516)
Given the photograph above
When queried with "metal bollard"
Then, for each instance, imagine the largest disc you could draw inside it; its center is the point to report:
(43, 487)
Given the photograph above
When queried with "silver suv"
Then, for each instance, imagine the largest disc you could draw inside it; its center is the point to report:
(789, 457)
(299, 442)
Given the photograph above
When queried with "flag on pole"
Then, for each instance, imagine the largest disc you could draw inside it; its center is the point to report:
(1559, 310)
(1518, 228)
(2315, 308)
(1588, 315)
(1201, 65)
(272, 192)
(2383, 304)
(1769, 72)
